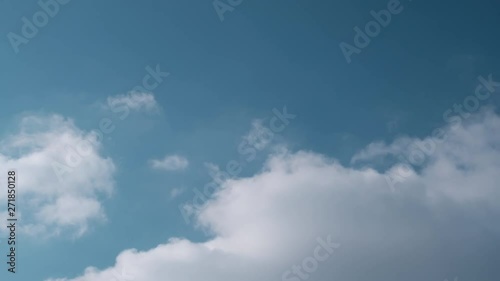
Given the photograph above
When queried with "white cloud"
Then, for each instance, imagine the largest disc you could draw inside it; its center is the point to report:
(61, 175)
(265, 224)
(137, 101)
(170, 163)
(379, 149)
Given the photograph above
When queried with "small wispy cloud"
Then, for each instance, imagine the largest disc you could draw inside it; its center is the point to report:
(137, 101)
(175, 192)
(170, 163)
(259, 136)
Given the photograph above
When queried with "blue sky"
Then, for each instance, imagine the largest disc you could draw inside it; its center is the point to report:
(227, 79)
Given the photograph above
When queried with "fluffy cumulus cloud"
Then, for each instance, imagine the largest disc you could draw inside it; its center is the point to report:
(287, 221)
(170, 163)
(62, 176)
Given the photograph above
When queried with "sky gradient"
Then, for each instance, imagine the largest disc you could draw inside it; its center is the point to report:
(228, 140)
